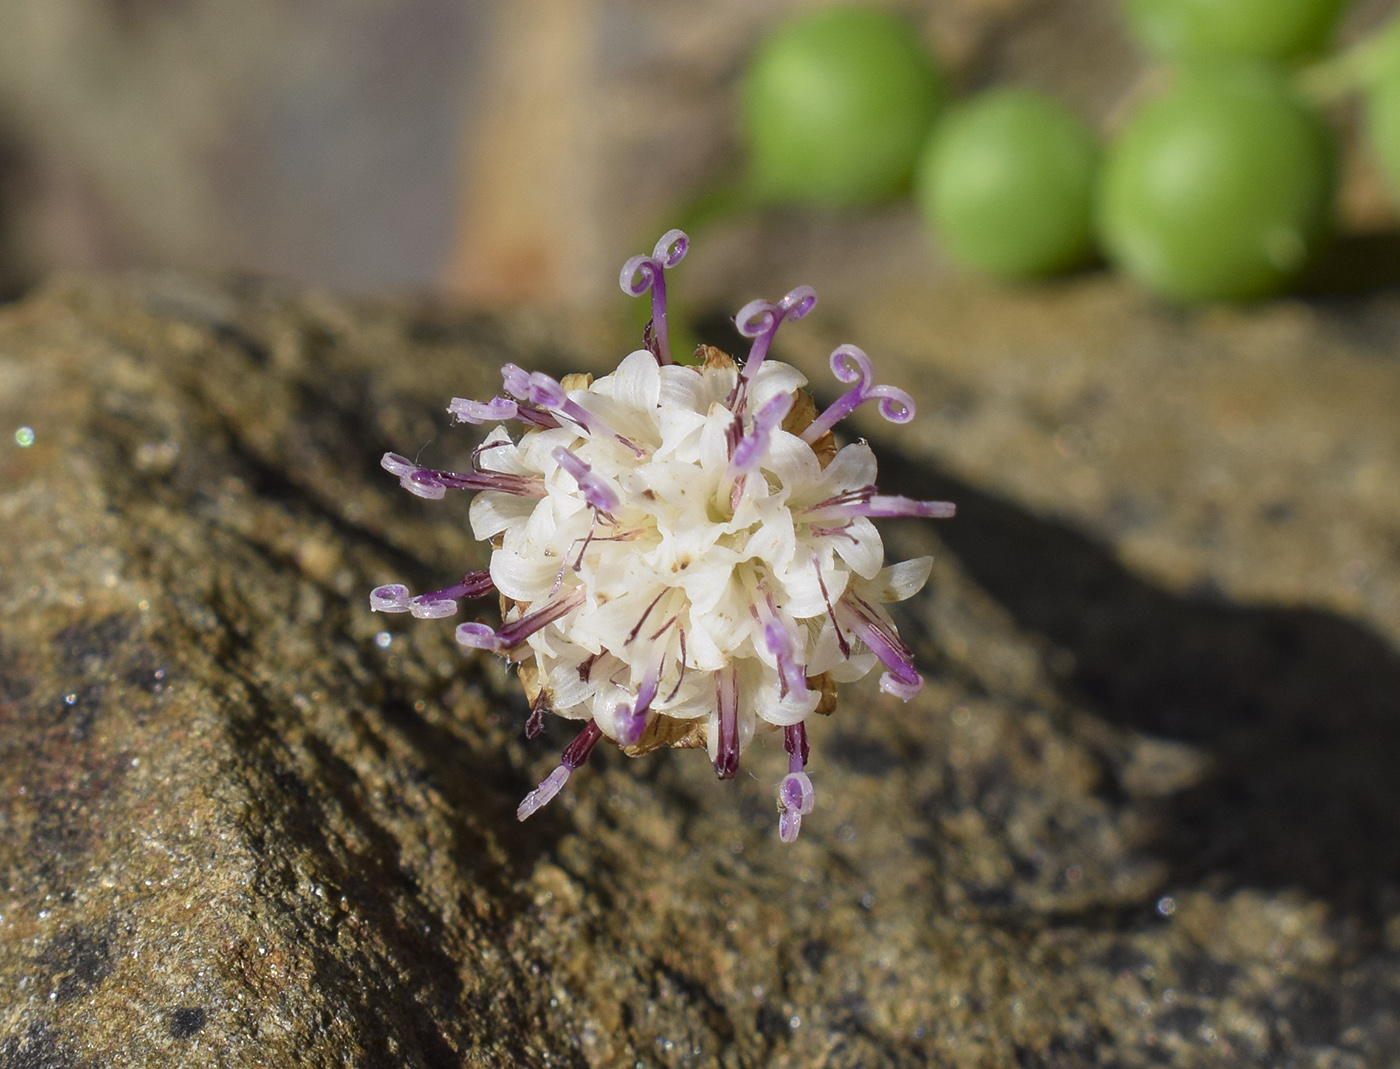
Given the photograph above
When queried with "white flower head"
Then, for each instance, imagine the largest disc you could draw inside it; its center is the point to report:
(683, 554)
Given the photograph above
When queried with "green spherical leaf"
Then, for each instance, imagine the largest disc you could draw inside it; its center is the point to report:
(835, 106)
(1262, 29)
(1220, 189)
(1006, 182)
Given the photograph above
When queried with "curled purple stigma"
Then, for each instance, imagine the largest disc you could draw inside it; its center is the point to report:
(642, 273)
(850, 364)
(595, 491)
(760, 320)
(539, 389)
(478, 636)
(433, 484)
(727, 748)
(575, 755)
(394, 597)
(796, 798)
(750, 450)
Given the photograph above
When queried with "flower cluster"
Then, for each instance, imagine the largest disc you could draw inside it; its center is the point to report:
(683, 555)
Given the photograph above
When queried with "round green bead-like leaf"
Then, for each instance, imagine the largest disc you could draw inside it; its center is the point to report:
(1006, 182)
(835, 106)
(1219, 189)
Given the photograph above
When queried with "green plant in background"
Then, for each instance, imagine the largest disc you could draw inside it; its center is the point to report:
(1007, 183)
(1252, 29)
(1220, 187)
(835, 107)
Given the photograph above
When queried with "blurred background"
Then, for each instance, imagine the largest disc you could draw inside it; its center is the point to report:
(485, 149)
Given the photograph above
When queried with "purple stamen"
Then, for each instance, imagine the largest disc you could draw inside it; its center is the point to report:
(479, 636)
(752, 448)
(888, 506)
(760, 320)
(727, 749)
(595, 491)
(574, 756)
(900, 679)
(642, 273)
(495, 410)
(434, 606)
(850, 364)
(433, 484)
(539, 389)
(866, 502)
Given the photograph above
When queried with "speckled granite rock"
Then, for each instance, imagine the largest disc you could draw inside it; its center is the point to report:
(1138, 817)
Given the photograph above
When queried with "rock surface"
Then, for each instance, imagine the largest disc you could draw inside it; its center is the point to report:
(1144, 813)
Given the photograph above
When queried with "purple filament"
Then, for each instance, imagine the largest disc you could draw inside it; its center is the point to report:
(795, 743)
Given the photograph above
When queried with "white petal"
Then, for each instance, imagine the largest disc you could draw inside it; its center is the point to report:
(898, 581)
(492, 512)
(527, 577)
(774, 378)
(863, 551)
(636, 383)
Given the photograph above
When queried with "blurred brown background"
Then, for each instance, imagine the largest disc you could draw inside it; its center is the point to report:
(513, 149)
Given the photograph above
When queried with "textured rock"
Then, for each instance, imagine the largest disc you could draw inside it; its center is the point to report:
(1139, 816)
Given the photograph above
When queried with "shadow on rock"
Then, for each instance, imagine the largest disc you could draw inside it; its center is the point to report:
(1299, 709)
